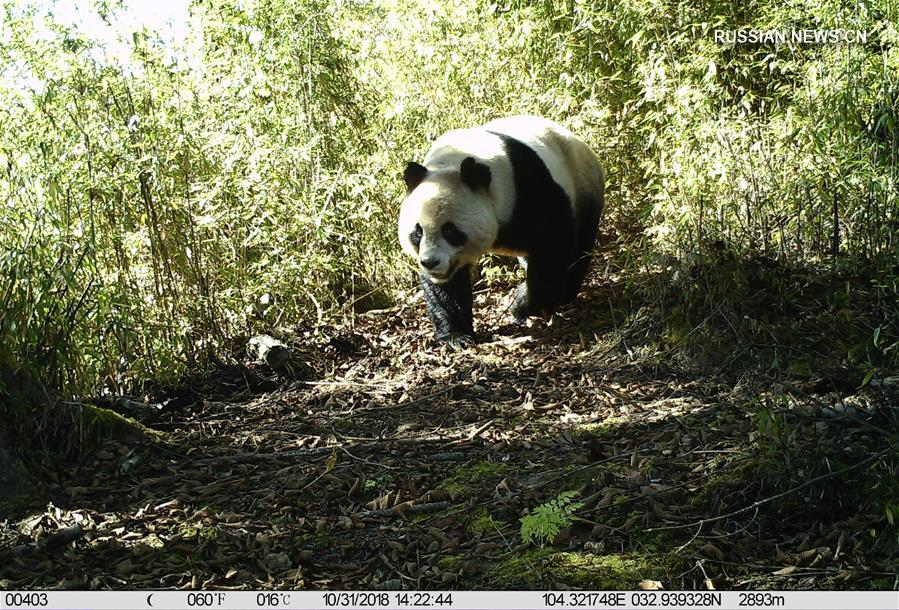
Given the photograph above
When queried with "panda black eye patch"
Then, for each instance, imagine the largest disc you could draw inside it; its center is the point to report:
(415, 235)
(453, 235)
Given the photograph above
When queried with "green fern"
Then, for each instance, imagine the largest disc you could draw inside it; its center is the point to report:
(544, 524)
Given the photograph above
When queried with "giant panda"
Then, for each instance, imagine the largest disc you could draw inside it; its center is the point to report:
(521, 186)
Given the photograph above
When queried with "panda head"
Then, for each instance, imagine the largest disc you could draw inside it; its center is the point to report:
(447, 220)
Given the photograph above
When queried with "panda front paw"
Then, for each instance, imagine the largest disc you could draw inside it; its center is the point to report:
(456, 340)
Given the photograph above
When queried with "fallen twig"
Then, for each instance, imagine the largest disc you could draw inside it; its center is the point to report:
(473, 434)
(405, 509)
(364, 461)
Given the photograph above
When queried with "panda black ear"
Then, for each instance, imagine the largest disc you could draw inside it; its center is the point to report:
(413, 175)
(475, 175)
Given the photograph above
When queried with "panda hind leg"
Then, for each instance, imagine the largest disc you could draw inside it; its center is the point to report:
(577, 272)
(580, 264)
(450, 307)
(543, 290)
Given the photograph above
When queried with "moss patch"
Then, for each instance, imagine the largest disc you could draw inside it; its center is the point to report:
(602, 572)
(608, 428)
(450, 562)
(471, 476)
(545, 568)
(518, 570)
(105, 424)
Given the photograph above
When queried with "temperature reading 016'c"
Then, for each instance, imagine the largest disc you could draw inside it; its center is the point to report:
(272, 600)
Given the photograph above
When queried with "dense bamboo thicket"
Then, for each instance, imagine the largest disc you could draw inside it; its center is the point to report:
(250, 179)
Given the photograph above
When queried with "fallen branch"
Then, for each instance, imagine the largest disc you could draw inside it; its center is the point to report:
(54, 540)
(404, 510)
(146, 413)
(784, 494)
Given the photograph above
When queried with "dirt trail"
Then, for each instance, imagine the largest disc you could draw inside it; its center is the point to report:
(408, 465)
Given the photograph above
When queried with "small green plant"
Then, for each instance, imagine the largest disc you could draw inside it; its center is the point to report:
(482, 522)
(544, 524)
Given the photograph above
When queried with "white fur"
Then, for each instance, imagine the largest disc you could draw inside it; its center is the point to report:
(443, 197)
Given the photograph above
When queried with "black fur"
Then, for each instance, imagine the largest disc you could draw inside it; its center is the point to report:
(449, 305)
(413, 175)
(415, 236)
(475, 175)
(586, 239)
(453, 235)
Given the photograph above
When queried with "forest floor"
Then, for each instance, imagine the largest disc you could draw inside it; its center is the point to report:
(400, 464)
